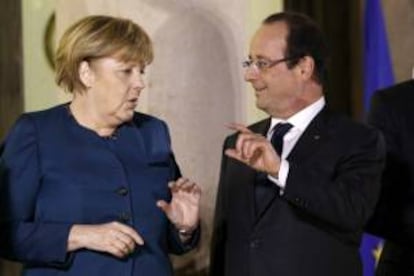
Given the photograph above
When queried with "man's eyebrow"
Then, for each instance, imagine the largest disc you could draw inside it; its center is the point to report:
(259, 57)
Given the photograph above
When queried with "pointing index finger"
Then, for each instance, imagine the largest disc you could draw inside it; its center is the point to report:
(239, 127)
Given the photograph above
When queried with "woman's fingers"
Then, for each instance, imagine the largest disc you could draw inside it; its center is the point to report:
(130, 232)
(126, 242)
(114, 238)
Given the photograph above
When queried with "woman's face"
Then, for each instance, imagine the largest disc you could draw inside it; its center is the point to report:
(114, 88)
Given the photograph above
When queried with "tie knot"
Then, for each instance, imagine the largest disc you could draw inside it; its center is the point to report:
(279, 131)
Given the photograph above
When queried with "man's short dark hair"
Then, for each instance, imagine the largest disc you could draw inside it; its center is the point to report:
(304, 38)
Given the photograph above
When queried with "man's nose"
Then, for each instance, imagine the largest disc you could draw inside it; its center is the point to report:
(250, 73)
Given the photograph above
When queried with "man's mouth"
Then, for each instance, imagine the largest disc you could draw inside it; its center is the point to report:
(258, 90)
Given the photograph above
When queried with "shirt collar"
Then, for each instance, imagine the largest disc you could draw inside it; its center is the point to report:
(301, 119)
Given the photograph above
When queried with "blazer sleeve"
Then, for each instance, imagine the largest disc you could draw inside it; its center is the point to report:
(23, 237)
(340, 191)
(388, 218)
(175, 245)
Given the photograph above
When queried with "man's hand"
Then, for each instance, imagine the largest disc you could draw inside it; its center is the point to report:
(254, 150)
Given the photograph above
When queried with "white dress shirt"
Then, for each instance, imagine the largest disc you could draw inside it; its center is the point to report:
(300, 122)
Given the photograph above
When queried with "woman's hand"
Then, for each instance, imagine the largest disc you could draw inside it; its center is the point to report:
(114, 238)
(183, 210)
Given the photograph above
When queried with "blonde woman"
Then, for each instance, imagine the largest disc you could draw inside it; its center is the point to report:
(91, 187)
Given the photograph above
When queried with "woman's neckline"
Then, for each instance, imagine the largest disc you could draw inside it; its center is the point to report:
(112, 136)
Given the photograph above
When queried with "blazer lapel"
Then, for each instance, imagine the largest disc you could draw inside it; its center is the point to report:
(310, 141)
(312, 138)
(261, 128)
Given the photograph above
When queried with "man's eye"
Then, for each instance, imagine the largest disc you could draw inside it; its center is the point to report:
(142, 71)
(127, 71)
(261, 64)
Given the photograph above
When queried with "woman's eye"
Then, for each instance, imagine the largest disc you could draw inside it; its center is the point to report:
(142, 71)
(127, 71)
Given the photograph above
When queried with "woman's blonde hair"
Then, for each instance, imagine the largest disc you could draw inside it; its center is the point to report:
(99, 36)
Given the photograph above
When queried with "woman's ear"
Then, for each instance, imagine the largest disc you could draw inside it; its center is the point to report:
(86, 74)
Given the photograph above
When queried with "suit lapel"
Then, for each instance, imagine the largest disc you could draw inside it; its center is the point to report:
(261, 128)
(312, 138)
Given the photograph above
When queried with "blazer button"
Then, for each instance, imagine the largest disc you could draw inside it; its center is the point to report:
(254, 243)
(122, 191)
(124, 217)
(298, 201)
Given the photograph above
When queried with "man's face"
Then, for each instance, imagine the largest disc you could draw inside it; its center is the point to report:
(276, 87)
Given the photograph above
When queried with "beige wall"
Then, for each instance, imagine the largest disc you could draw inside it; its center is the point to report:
(39, 89)
(240, 18)
(179, 98)
(195, 82)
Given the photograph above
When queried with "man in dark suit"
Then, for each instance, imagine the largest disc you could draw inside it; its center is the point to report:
(297, 188)
(392, 112)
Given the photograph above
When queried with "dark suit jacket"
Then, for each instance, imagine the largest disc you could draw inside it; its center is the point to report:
(392, 112)
(56, 173)
(315, 227)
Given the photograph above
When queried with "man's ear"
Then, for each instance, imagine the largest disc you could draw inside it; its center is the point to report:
(306, 66)
(86, 74)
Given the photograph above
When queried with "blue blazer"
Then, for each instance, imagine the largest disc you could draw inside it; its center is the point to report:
(56, 173)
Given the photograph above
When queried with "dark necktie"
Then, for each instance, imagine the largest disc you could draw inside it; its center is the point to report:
(279, 132)
(265, 190)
